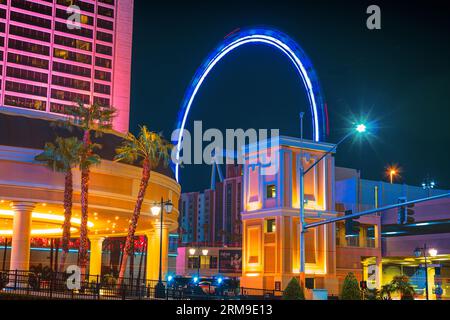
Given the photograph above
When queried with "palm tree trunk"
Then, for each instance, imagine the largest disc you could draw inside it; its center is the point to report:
(85, 172)
(68, 191)
(137, 211)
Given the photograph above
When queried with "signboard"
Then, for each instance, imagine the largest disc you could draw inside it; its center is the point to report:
(372, 276)
(431, 265)
(230, 261)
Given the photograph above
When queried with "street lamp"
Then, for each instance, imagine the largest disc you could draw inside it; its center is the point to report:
(158, 209)
(418, 252)
(204, 252)
(359, 128)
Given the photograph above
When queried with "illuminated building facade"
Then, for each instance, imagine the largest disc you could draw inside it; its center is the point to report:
(213, 217)
(48, 63)
(271, 225)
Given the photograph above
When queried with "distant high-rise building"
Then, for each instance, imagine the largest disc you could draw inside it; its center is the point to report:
(213, 217)
(55, 52)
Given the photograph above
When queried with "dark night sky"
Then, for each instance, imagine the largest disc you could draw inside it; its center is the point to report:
(398, 77)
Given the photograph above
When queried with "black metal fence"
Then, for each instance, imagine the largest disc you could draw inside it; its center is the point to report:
(35, 285)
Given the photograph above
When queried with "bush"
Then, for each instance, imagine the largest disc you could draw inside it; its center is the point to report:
(293, 291)
(350, 289)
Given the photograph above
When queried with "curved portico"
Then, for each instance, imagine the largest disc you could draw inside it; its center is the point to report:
(31, 197)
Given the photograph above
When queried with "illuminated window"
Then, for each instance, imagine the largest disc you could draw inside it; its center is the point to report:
(271, 191)
(270, 226)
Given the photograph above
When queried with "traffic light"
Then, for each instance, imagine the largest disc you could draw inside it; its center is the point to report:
(351, 225)
(405, 214)
(410, 213)
(401, 211)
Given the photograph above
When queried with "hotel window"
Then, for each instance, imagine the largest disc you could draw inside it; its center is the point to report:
(25, 103)
(29, 47)
(102, 75)
(69, 96)
(83, 5)
(71, 83)
(84, 19)
(103, 36)
(110, 2)
(270, 225)
(105, 24)
(32, 6)
(29, 33)
(107, 12)
(370, 237)
(271, 191)
(68, 55)
(74, 43)
(101, 88)
(71, 69)
(104, 49)
(27, 61)
(59, 108)
(102, 101)
(3, 13)
(26, 74)
(33, 20)
(82, 32)
(26, 88)
(102, 62)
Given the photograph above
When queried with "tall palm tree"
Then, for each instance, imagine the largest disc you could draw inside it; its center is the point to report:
(151, 149)
(62, 156)
(89, 118)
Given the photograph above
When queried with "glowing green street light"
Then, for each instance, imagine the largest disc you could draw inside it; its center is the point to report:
(360, 129)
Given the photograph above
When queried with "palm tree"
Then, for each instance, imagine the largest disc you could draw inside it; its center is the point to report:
(151, 149)
(89, 118)
(62, 156)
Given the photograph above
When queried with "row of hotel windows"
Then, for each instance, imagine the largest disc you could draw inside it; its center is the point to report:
(47, 10)
(62, 14)
(59, 53)
(57, 66)
(35, 104)
(56, 80)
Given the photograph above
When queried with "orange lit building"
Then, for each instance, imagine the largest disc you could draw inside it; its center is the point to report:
(271, 223)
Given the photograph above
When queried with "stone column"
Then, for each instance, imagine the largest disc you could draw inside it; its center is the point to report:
(95, 257)
(153, 253)
(20, 246)
(152, 256)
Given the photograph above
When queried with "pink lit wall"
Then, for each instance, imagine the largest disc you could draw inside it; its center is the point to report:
(32, 53)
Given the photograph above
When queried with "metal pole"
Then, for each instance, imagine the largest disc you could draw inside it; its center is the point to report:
(4, 253)
(302, 223)
(426, 269)
(160, 242)
(371, 211)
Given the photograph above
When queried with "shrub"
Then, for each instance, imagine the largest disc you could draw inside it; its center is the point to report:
(293, 291)
(350, 289)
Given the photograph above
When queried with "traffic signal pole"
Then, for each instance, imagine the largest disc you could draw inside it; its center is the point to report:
(372, 211)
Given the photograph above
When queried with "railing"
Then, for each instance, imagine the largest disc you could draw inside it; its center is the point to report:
(55, 286)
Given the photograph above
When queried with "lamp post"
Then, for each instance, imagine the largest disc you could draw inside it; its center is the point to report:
(418, 252)
(204, 252)
(158, 209)
(360, 128)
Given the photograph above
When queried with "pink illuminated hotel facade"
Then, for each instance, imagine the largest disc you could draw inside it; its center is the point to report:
(47, 62)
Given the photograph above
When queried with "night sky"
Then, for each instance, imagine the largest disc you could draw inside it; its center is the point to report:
(398, 78)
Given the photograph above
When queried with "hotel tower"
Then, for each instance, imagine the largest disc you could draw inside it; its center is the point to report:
(55, 52)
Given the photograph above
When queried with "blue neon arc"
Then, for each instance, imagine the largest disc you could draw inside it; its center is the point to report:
(268, 36)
